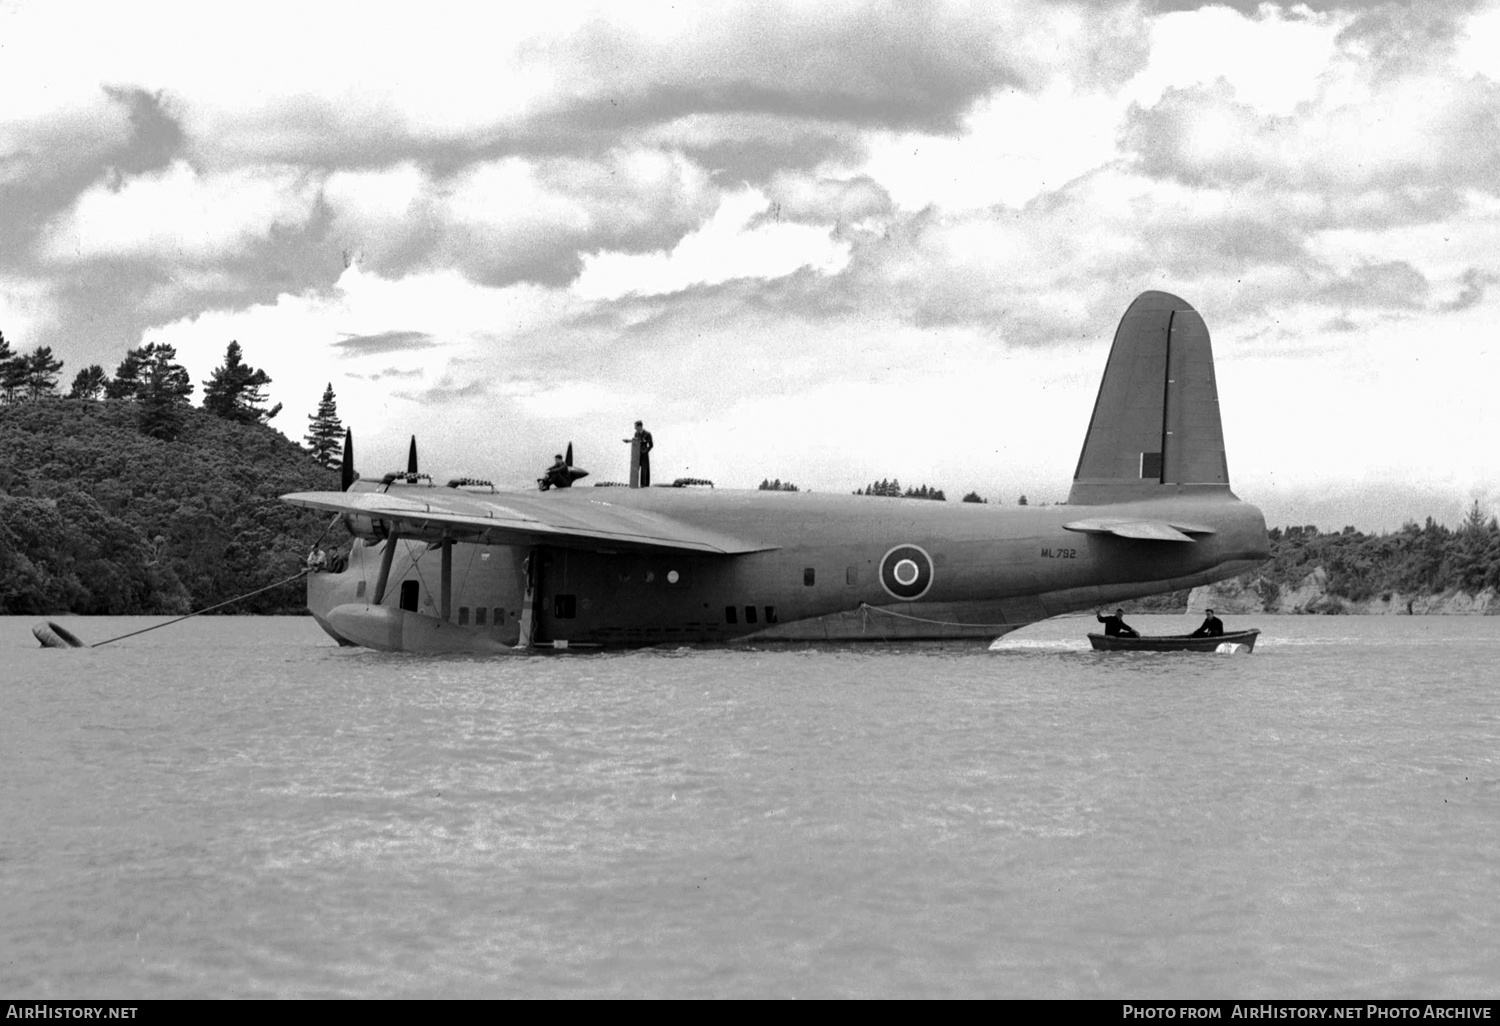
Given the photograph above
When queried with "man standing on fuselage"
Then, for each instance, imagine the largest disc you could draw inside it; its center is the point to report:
(644, 437)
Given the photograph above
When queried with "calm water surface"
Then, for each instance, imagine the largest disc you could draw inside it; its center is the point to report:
(236, 807)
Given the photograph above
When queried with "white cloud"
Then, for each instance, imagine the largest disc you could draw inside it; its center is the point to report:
(1271, 61)
(1014, 147)
(23, 306)
(514, 217)
(295, 339)
(1478, 52)
(722, 249)
(453, 68)
(1017, 145)
(820, 200)
(179, 214)
(376, 197)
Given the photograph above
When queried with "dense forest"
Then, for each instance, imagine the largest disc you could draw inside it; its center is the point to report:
(99, 516)
(1426, 559)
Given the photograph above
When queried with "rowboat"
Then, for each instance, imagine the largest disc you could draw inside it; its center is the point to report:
(1175, 642)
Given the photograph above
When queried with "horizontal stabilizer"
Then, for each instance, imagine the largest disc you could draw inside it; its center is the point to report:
(1143, 530)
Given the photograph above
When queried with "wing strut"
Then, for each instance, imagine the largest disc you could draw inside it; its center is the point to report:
(447, 600)
(528, 604)
(385, 566)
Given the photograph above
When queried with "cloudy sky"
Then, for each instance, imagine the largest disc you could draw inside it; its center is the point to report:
(828, 242)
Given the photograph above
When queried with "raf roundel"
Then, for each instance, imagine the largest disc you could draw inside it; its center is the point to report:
(906, 572)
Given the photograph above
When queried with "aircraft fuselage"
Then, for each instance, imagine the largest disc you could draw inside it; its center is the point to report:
(843, 568)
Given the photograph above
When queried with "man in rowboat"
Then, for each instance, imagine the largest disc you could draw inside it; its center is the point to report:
(1212, 627)
(1115, 626)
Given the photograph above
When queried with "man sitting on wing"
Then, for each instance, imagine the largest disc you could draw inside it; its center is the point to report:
(557, 475)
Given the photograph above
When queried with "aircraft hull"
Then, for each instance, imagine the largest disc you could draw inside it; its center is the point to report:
(993, 570)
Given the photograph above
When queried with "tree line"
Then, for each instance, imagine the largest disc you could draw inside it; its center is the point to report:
(1428, 558)
(892, 489)
(886, 487)
(160, 388)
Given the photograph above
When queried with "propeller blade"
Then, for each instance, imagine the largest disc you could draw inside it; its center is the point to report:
(411, 456)
(346, 471)
(568, 459)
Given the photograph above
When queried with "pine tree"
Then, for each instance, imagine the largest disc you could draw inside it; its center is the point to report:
(89, 383)
(12, 370)
(13, 377)
(163, 392)
(325, 433)
(1474, 519)
(233, 391)
(890, 489)
(127, 380)
(41, 373)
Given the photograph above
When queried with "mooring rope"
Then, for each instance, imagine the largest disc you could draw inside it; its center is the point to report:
(867, 609)
(300, 573)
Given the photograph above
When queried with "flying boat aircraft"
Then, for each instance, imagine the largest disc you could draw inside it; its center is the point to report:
(466, 567)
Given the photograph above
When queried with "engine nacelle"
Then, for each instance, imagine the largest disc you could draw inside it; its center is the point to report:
(367, 529)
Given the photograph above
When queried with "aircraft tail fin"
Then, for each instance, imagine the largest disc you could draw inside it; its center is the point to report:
(1155, 429)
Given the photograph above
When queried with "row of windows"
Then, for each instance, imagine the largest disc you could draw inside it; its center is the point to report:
(411, 594)
(731, 614)
(479, 615)
(565, 607)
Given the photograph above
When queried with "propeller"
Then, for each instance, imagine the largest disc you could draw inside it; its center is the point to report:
(411, 456)
(346, 471)
(574, 473)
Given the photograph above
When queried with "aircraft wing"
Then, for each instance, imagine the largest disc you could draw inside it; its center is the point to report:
(1144, 530)
(513, 519)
